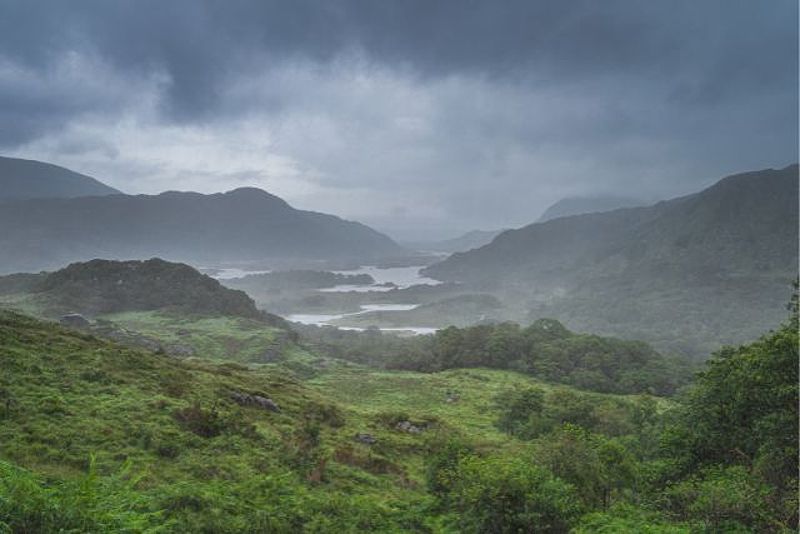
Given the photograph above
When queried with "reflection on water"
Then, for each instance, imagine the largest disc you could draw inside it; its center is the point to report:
(328, 319)
(386, 279)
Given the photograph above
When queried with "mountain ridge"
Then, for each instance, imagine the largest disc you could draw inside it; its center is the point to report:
(25, 179)
(715, 264)
(245, 224)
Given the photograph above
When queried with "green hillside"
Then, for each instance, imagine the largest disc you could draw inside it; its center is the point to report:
(712, 266)
(99, 437)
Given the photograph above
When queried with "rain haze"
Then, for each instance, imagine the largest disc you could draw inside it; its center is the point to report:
(422, 119)
(424, 266)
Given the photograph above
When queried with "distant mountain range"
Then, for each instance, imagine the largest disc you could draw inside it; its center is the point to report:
(686, 274)
(580, 205)
(462, 243)
(246, 224)
(22, 179)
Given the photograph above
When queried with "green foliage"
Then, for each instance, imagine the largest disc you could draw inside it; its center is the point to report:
(491, 450)
(742, 411)
(502, 495)
(627, 518)
(600, 468)
(724, 499)
(86, 504)
(545, 349)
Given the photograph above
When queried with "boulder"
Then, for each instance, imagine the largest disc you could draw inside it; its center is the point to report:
(245, 399)
(409, 427)
(366, 439)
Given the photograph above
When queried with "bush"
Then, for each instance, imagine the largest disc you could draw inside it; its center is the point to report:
(205, 423)
(502, 495)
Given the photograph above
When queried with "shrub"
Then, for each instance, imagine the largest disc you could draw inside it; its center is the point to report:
(205, 423)
(511, 495)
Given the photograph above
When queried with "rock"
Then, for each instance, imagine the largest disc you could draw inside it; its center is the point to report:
(408, 426)
(74, 320)
(182, 332)
(452, 397)
(266, 404)
(366, 439)
(245, 399)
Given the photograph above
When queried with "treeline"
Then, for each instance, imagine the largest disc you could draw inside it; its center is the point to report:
(722, 458)
(545, 349)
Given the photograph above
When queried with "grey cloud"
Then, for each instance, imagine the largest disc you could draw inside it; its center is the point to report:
(461, 113)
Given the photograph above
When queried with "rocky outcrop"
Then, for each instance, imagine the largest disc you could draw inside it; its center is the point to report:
(366, 439)
(245, 399)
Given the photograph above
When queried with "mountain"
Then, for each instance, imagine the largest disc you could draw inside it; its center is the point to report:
(22, 179)
(685, 274)
(580, 205)
(462, 243)
(245, 224)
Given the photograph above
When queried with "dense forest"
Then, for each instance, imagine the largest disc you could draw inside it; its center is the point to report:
(545, 349)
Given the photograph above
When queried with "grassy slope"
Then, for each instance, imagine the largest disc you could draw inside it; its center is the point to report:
(71, 396)
(215, 338)
(223, 338)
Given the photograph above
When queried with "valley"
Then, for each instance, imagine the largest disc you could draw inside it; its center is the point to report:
(354, 267)
(254, 423)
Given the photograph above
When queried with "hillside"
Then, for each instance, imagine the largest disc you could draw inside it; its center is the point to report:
(462, 243)
(105, 286)
(567, 207)
(96, 437)
(22, 179)
(713, 265)
(244, 225)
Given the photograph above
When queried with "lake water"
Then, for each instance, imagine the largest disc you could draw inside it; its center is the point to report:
(328, 319)
(401, 277)
(229, 274)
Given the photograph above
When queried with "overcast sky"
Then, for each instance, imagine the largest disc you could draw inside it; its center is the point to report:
(422, 118)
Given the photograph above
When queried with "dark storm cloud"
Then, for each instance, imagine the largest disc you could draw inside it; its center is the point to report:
(512, 102)
(721, 46)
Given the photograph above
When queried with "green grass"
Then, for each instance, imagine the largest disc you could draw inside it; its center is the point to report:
(165, 434)
(214, 338)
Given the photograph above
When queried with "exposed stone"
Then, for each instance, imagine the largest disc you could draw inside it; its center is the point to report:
(367, 439)
(408, 426)
(245, 399)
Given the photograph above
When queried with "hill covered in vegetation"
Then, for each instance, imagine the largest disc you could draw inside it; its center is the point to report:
(545, 350)
(106, 286)
(712, 265)
(243, 225)
(98, 437)
(22, 179)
